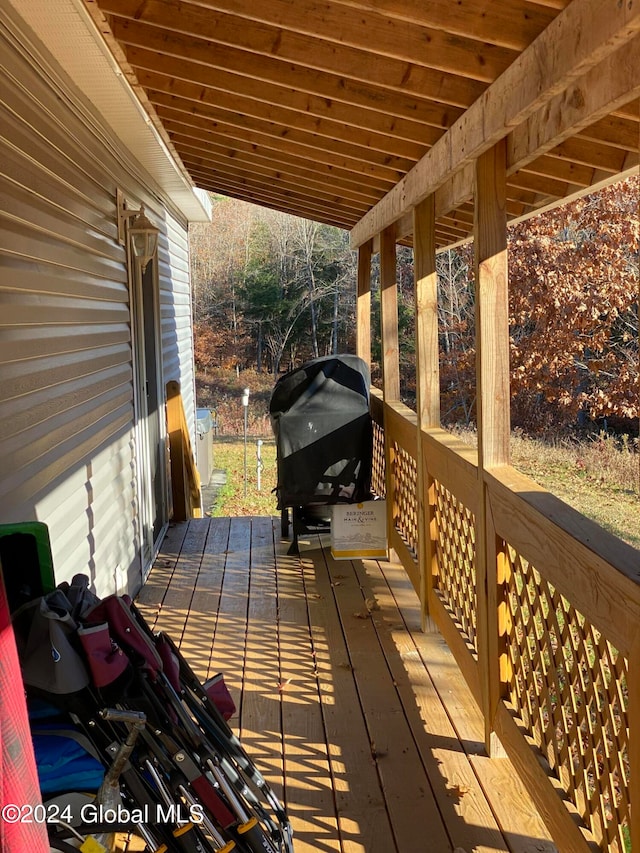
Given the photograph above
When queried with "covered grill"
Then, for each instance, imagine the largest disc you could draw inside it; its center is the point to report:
(320, 418)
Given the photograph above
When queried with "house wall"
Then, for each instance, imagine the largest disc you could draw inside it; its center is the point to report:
(68, 444)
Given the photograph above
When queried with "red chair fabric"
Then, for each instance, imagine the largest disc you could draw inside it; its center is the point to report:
(19, 790)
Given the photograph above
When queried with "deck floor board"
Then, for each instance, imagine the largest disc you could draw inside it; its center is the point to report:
(361, 723)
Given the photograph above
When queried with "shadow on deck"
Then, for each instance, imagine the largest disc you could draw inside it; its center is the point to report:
(361, 723)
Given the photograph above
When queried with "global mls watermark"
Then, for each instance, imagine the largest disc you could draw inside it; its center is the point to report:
(157, 813)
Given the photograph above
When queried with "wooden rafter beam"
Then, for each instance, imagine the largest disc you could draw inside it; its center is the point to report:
(222, 132)
(561, 173)
(190, 97)
(457, 230)
(603, 158)
(309, 36)
(513, 25)
(332, 206)
(579, 39)
(611, 83)
(629, 111)
(453, 234)
(527, 185)
(237, 126)
(331, 200)
(361, 79)
(267, 196)
(613, 130)
(309, 181)
(573, 174)
(196, 82)
(357, 106)
(304, 171)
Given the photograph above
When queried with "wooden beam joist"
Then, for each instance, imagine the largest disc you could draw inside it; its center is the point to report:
(318, 148)
(227, 133)
(611, 83)
(248, 177)
(267, 196)
(302, 170)
(266, 169)
(586, 34)
(402, 49)
(362, 83)
(364, 107)
(190, 97)
(559, 169)
(514, 25)
(210, 81)
(614, 130)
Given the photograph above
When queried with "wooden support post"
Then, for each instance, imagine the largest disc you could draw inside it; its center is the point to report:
(389, 316)
(363, 306)
(427, 389)
(390, 357)
(493, 412)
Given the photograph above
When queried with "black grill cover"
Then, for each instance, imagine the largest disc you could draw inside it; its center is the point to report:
(321, 422)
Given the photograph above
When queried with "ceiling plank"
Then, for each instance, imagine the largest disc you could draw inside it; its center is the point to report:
(376, 112)
(211, 117)
(582, 36)
(191, 96)
(362, 80)
(515, 24)
(264, 165)
(286, 202)
(264, 143)
(310, 35)
(316, 187)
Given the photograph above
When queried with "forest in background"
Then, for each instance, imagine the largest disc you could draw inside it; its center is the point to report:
(272, 291)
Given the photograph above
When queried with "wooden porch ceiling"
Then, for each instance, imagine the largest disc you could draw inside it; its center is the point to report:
(320, 109)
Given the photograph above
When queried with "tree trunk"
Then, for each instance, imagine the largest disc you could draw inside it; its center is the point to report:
(334, 327)
(259, 349)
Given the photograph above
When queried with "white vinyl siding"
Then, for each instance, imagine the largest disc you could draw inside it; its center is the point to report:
(176, 316)
(67, 438)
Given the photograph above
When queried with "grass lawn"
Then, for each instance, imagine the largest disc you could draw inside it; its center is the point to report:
(231, 501)
(599, 478)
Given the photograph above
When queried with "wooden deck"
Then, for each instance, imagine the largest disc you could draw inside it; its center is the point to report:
(361, 723)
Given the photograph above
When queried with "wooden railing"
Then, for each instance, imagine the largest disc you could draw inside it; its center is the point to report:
(185, 480)
(550, 644)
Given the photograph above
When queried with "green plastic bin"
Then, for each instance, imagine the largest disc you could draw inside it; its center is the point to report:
(26, 561)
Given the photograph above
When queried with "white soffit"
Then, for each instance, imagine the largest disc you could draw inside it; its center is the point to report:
(69, 34)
